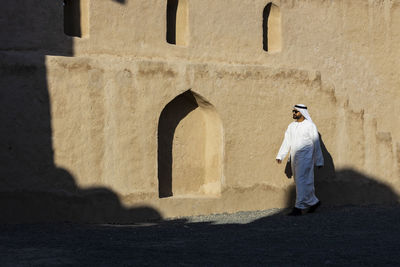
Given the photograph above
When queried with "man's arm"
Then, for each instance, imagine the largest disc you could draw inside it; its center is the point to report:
(285, 147)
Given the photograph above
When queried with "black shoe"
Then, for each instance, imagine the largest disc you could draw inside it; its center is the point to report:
(295, 212)
(314, 207)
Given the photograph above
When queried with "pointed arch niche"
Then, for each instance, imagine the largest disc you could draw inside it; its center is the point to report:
(272, 36)
(190, 148)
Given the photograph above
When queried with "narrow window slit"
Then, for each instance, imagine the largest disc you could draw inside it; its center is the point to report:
(177, 22)
(272, 40)
(76, 18)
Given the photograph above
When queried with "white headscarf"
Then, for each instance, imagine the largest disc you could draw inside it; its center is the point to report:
(303, 110)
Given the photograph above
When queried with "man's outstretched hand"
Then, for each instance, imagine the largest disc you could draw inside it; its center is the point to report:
(279, 161)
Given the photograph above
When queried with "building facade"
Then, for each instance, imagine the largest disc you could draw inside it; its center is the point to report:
(120, 110)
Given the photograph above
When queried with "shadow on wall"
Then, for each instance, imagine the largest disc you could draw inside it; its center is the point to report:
(32, 188)
(346, 186)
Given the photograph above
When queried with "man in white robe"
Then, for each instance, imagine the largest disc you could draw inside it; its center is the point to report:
(302, 141)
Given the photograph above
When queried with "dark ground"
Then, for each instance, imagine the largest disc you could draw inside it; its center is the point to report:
(354, 236)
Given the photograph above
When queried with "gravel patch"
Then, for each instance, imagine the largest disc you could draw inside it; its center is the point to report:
(242, 217)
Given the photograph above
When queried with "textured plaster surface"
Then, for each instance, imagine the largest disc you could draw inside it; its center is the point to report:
(93, 104)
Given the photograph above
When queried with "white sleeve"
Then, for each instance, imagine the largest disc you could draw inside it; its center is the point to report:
(318, 157)
(285, 147)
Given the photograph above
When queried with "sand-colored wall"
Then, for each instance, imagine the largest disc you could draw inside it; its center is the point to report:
(91, 106)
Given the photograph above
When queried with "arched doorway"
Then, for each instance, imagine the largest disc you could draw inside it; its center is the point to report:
(190, 147)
